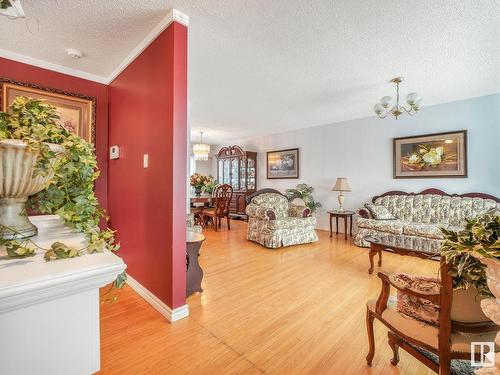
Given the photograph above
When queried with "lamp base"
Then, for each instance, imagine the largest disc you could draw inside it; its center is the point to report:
(341, 202)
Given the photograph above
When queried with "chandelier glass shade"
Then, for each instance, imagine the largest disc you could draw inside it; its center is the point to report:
(383, 108)
(201, 150)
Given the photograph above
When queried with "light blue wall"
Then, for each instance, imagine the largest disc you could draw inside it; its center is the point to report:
(362, 151)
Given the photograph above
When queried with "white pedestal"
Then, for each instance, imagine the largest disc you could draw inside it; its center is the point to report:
(49, 311)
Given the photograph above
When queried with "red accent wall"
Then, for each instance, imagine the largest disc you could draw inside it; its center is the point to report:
(31, 74)
(147, 115)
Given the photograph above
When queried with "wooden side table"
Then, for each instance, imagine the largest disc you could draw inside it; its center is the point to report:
(194, 273)
(346, 215)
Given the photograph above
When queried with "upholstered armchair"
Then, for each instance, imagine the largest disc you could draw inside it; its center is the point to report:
(430, 321)
(273, 222)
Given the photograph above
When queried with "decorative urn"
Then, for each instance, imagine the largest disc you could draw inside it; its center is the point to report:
(18, 181)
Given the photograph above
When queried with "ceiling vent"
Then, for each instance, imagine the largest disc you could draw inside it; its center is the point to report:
(11, 8)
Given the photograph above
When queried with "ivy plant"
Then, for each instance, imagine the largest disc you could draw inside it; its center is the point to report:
(70, 194)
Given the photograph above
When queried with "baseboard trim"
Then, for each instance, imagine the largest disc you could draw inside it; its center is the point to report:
(172, 315)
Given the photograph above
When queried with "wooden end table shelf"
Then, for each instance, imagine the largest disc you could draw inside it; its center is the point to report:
(346, 215)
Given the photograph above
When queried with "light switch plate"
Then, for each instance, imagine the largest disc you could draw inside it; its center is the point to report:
(146, 161)
(114, 152)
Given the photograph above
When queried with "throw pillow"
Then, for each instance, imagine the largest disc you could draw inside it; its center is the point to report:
(379, 212)
(415, 307)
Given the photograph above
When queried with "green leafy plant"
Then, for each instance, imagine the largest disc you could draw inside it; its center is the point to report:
(464, 250)
(4, 4)
(209, 185)
(304, 192)
(71, 192)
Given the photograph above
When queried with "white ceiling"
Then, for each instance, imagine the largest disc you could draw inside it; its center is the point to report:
(259, 67)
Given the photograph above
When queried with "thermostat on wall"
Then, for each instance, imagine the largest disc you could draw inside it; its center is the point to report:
(114, 152)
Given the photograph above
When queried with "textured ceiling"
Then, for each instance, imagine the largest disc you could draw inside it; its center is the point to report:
(260, 67)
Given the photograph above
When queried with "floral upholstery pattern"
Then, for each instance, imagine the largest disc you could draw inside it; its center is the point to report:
(415, 307)
(422, 216)
(388, 226)
(379, 212)
(274, 202)
(289, 227)
(298, 211)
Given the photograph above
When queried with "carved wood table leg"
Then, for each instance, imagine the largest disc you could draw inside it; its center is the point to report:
(371, 254)
(345, 228)
(331, 229)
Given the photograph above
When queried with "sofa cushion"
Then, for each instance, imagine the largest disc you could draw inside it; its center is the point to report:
(292, 223)
(423, 230)
(389, 226)
(379, 212)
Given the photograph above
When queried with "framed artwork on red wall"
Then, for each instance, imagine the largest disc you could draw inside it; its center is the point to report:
(76, 112)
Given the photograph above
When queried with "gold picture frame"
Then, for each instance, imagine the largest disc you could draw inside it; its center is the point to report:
(438, 155)
(77, 111)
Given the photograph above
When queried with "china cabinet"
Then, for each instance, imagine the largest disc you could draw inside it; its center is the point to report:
(237, 168)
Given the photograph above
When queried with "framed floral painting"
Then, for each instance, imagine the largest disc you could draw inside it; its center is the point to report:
(283, 164)
(431, 155)
(77, 112)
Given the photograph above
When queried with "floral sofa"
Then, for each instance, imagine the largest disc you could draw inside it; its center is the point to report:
(274, 223)
(419, 216)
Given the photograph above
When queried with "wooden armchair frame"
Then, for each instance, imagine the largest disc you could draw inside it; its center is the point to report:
(398, 339)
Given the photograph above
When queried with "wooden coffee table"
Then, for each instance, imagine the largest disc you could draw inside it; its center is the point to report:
(402, 245)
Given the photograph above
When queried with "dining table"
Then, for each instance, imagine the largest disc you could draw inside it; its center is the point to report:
(203, 198)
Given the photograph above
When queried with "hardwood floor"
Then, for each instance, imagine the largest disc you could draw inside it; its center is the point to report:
(297, 310)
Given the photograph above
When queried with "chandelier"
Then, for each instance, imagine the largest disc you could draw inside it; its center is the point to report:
(201, 150)
(383, 108)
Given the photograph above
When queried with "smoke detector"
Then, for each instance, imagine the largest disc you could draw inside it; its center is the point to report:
(11, 8)
(74, 53)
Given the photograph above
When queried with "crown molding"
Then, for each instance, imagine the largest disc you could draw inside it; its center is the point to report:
(51, 66)
(173, 15)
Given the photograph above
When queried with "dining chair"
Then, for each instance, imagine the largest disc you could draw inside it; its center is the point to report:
(222, 198)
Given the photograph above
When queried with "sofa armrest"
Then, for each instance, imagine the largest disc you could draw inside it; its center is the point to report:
(261, 213)
(298, 211)
(364, 213)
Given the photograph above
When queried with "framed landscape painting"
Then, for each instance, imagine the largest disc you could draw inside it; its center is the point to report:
(283, 164)
(77, 112)
(431, 155)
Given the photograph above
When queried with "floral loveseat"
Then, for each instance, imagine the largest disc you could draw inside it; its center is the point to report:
(419, 216)
(273, 222)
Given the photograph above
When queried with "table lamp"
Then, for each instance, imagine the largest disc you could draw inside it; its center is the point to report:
(341, 185)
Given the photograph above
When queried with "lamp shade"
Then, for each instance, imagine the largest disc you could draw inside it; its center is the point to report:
(341, 185)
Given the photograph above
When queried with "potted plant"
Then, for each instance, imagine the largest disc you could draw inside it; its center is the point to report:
(474, 255)
(59, 168)
(303, 192)
(198, 181)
